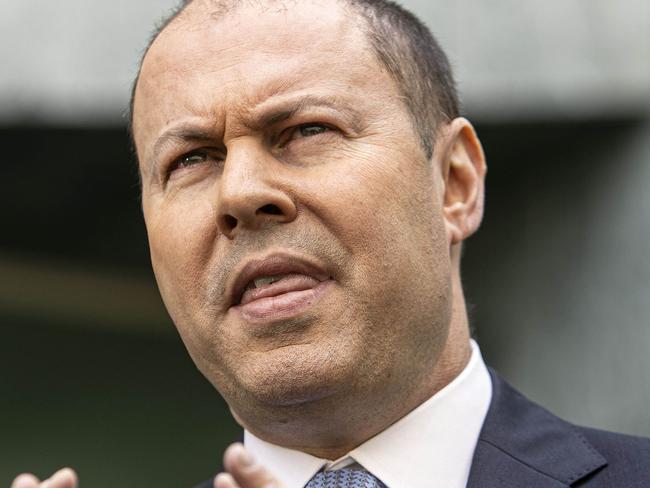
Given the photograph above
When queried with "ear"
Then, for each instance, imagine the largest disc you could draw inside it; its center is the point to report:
(463, 168)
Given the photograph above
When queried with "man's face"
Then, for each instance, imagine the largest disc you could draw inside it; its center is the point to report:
(272, 142)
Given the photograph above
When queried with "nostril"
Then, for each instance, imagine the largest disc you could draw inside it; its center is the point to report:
(269, 209)
(231, 221)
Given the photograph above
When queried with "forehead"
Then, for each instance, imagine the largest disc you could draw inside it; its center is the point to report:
(210, 63)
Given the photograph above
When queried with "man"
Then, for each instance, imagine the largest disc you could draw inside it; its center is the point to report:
(307, 184)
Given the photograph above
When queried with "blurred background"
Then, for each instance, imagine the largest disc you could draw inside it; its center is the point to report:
(92, 373)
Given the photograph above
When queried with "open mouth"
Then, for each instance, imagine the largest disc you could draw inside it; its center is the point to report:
(272, 286)
(277, 286)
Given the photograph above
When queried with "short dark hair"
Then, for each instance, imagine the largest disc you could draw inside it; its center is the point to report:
(406, 49)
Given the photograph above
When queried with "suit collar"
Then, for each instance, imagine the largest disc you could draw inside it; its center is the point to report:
(521, 444)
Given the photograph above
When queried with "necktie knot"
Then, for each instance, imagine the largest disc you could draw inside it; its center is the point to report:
(344, 478)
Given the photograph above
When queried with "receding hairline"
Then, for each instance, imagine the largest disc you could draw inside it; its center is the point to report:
(429, 93)
(218, 9)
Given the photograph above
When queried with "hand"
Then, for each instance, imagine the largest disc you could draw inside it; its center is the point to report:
(243, 471)
(64, 478)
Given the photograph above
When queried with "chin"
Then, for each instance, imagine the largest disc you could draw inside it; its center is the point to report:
(295, 375)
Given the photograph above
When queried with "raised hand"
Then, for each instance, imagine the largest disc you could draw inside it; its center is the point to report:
(243, 471)
(64, 478)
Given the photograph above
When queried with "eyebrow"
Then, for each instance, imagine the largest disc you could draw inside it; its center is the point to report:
(190, 132)
(291, 108)
(182, 133)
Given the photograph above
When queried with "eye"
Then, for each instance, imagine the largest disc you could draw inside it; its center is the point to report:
(303, 131)
(194, 158)
(309, 130)
(191, 159)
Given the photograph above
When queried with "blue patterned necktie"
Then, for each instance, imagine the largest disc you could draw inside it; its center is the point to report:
(344, 478)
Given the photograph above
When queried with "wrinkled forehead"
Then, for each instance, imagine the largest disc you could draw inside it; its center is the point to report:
(258, 28)
(208, 59)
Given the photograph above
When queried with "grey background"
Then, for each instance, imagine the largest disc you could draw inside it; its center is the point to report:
(558, 278)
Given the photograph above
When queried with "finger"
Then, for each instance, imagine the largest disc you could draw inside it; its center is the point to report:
(25, 481)
(247, 473)
(64, 478)
(225, 480)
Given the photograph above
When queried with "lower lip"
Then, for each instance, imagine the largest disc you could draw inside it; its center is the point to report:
(282, 306)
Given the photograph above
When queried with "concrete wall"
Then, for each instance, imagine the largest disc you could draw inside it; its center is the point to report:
(546, 58)
(74, 60)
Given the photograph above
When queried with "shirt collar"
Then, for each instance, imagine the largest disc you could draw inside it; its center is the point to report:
(435, 441)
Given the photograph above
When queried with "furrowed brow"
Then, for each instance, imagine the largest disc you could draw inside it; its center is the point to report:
(179, 134)
(289, 109)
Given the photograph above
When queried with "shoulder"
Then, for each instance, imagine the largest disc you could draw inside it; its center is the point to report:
(628, 458)
(530, 443)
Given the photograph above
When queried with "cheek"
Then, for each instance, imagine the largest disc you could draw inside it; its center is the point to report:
(354, 201)
(383, 209)
(380, 204)
(181, 239)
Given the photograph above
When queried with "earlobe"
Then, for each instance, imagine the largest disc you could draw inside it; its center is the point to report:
(463, 172)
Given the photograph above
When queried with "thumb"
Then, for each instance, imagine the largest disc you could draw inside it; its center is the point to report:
(25, 481)
(246, 471)
(64, 478)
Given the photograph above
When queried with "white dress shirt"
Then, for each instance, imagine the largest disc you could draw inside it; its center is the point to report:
(432, 446)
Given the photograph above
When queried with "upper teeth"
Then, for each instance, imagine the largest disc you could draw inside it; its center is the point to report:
(267, 280)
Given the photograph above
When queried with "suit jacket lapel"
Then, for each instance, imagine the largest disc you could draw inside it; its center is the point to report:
(521, 444)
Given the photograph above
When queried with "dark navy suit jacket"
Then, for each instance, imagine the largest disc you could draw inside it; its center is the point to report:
(524, 446)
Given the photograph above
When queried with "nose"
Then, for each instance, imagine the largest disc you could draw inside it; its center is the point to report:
(250, 195)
